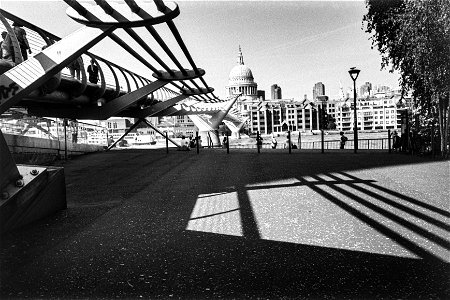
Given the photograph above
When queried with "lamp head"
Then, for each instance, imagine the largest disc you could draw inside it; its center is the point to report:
(354, 72)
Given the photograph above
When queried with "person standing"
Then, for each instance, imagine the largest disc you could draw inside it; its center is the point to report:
(225, 142)
(22, 39)
(7, 49)
(92, 70)
(274, 142)
(75, 67)
(343, 139)
(4, 34)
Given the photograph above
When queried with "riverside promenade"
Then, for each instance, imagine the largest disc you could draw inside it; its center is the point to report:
(146, 224)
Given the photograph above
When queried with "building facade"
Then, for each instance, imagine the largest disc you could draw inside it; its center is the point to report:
(281, 115)
(372, 113)
(366, 90)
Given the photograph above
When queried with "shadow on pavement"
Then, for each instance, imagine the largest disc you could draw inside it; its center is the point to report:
(128, 231)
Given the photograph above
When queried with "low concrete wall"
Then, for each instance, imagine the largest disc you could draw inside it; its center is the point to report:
(24, 144)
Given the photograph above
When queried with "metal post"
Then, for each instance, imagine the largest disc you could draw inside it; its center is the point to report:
(57, 134)
(65, 138)
(355, 129)
(299, 140)
(196, 142)
(228, 142)
(257, 141)
(289, 139)
(323, 140)
(167, 142)
(389, 140)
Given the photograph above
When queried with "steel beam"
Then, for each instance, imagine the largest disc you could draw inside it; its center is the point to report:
(160, 132)
(125, 134)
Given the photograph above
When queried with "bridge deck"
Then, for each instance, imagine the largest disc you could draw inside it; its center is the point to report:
(144, 223)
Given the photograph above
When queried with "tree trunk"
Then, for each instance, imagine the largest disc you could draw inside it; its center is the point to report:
(447, 125)
(441, 124)
(444, 119)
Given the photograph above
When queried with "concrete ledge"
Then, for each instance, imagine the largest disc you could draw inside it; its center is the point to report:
(40, 196)
(25, 144)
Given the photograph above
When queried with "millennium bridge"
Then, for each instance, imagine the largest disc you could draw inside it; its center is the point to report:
(42, 86)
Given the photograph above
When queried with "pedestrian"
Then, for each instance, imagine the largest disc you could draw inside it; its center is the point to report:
(274, 142)
(225, 141)
(22, 39)
(184, 144)
(396, 144)
(343, 139)
(286, 143)
(192, 143)
(92, 69)
(7, 49)
(4, 34)
(75, 67)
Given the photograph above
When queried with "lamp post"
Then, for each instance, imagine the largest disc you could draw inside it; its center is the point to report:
(354, 72)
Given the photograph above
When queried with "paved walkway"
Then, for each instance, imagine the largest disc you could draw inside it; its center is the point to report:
(144, 224)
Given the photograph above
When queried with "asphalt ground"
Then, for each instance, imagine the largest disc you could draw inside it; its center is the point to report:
(306, 225)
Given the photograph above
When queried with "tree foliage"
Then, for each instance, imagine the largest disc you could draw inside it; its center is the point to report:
(413, 37)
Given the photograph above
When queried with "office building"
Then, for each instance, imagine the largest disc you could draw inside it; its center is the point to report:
(318, 90)
(276, 91)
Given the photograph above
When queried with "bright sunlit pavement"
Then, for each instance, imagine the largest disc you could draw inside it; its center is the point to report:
(325, 211)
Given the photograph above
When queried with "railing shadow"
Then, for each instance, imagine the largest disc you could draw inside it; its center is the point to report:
(164, 255)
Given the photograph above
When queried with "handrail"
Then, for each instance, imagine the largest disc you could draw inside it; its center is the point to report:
(52, 37)
(372, 144)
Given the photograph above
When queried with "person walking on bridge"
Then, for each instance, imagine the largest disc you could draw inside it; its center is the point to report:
(22, 39)
(92, 69)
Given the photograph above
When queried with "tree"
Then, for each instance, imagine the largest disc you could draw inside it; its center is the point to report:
(413, 37)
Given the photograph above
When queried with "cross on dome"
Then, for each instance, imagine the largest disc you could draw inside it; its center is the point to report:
(240, 56)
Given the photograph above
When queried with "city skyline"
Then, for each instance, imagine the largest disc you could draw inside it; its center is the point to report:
(291, 44)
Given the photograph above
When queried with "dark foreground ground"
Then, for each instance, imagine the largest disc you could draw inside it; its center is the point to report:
(144, 224)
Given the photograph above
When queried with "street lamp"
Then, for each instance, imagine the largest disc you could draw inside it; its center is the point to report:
(354, 72)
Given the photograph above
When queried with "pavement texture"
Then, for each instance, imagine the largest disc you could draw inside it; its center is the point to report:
(306, 225)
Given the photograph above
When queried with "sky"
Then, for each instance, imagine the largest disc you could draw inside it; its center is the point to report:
(293, 44)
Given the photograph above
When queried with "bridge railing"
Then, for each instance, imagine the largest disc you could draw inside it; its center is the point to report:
(363, 144)
(126, 79)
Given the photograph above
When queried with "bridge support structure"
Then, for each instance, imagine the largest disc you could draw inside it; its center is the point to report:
(28, 193)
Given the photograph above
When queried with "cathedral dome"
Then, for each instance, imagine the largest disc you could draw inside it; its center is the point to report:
(241, 81)
(240, 73)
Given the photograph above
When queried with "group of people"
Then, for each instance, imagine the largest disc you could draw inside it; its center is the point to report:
(6, 45)
(187, 145)
(7, 54)
(288, 143)
(92, 69)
